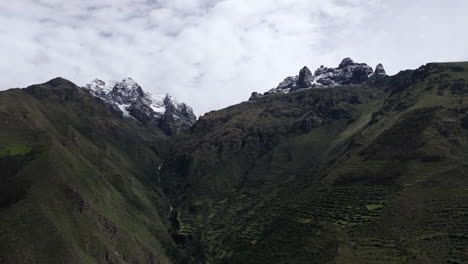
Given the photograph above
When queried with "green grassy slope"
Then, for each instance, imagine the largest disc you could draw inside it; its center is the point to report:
(78, 183)
(343, 175)
(355, 174)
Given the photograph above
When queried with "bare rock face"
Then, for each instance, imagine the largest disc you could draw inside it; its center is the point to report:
(378, 74)
(360, 75)
(305, 78)
(345, 63)
(379, 70)
(348, 72)
(128, 97)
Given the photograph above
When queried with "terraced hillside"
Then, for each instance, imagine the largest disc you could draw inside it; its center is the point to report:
(353, 174)
(77, 181)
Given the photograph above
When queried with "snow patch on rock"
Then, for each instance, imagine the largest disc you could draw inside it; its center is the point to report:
(128, 97)
(348, 72)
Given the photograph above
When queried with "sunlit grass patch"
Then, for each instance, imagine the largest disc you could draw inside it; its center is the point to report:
(372, 207)
(14, 149)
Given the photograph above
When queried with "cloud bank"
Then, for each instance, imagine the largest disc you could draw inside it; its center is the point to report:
(214, 53)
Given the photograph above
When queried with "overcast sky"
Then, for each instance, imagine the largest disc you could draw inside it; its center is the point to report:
(214, 53)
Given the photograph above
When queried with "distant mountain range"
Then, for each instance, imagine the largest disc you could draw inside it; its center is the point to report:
(343, 165)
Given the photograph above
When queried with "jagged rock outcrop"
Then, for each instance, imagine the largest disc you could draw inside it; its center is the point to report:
(161, 110)
(378, 74)
(345, 63)
(379, 70)
(348, 72)
(305, 78)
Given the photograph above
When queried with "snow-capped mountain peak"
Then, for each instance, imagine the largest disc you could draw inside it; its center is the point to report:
(128, 97)
(99, 87)
(348, 72)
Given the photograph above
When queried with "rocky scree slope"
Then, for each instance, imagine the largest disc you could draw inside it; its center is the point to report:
(152, 110)
(362, 173)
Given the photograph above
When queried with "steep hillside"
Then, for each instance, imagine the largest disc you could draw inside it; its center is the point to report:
(370, 173)
(339, 167)
(78, 182)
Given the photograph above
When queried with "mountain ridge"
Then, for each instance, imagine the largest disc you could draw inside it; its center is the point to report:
(329, 175)
(348, 72)
(372, 172)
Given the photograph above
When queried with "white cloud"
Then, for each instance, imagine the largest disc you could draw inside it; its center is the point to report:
(214, 53)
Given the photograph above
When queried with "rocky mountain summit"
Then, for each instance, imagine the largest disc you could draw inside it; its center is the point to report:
(161, 110)
(348, 72)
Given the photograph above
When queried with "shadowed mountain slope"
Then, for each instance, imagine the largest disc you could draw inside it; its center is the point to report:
(371, 173)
